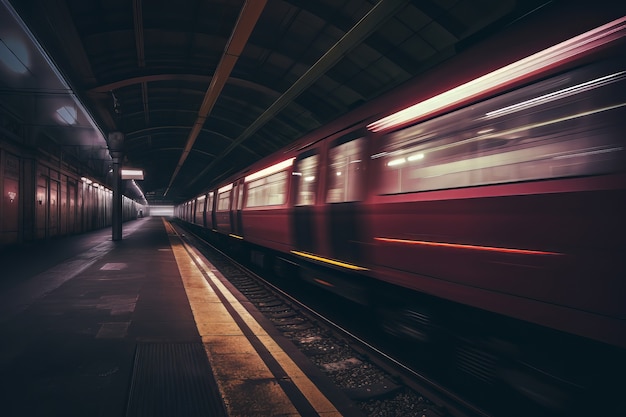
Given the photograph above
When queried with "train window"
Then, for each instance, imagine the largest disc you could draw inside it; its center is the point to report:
(223, 201)
(305, 178)
(267, 191)
(345, 172)
(559, 127)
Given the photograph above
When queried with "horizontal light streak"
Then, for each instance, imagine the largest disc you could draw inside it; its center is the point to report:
(225, 188)
(462, 246)
(510, 132)
(506, 75)
(235, 236)
(329, 261)
(270, 170)
(558, 95)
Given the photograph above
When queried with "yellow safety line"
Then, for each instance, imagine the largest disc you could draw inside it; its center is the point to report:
(232, 357)
(329, 261)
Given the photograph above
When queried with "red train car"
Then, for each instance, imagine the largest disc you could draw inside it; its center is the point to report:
(490, 192)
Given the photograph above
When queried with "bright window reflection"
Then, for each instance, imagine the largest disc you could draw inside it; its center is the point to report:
(560, 127)
(305, 176)
(268, 191)
(345, 179)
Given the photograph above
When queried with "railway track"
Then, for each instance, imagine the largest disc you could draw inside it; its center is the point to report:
(378, 384)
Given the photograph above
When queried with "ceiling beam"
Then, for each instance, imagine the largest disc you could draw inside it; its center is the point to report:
(375, 18)
(141, 61)
(248, 17)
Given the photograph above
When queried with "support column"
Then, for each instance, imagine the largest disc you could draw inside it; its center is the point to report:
(116, 142)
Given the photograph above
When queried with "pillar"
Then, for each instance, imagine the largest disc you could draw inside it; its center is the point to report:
(116, 142)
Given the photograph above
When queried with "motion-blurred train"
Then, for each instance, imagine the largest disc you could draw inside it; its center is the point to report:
(486, 199)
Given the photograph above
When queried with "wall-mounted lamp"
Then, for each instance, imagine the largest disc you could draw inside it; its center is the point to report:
(12, 196)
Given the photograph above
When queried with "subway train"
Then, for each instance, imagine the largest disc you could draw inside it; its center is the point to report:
(482, 204)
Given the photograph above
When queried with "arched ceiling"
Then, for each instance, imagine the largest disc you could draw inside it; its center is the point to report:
(203, 88)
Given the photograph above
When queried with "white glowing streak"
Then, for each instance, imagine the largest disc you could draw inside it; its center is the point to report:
(557, 95)
(395, 162)
(225, 188)
(506, 75)
(270, 170)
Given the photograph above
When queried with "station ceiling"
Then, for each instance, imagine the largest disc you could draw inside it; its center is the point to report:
(202, 88)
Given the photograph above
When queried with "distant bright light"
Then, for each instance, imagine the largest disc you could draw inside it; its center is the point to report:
(161, 211)
(14, 55)
(67, 114)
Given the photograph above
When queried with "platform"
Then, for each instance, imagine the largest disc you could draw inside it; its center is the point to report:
(141, 327)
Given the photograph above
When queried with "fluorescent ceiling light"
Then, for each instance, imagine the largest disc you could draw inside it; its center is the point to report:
(132, 174)
(67, 114)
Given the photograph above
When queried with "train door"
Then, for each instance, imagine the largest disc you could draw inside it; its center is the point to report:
(237, 206)
(204, 208)
(304, 195)
(208, 215)
(345, 182)
(222, 209)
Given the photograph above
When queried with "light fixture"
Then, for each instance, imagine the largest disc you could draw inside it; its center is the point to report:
(67, 114)
(132, 174)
